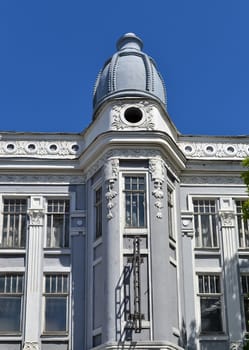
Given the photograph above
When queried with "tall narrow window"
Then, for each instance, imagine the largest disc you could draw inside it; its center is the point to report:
(11, 302)
(58, 223)
(170, 213)
(210, 303)
(243, 226)
(56, 303)
(14, 223)
(98, 213)
(245, 291)
(205, 220)
(135, 197)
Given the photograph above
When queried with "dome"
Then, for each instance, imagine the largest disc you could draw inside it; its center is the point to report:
(129, 73)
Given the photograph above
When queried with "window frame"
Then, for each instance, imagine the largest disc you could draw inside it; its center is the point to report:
(242, 225)
(244, 298)
(66, 235)
(16, 213)
(215, 234)
(171, 208)
(210, 295)
(58, 295)
(98, 212)
(136, 174)
(20, 295)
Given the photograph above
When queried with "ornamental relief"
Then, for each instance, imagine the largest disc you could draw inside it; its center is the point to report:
(214, 150)
(121, 123)
(42, 179)
(31, 346)
(41, 149)
(198, 180)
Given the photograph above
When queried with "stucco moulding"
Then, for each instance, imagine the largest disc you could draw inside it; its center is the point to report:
(52, 149)
(220, 180)
(42, 179)
(193, 150)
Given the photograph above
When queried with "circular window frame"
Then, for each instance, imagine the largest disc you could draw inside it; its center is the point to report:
(29, 150)
(127, 122)
(228, 152)
(10, 151)
(53, 151)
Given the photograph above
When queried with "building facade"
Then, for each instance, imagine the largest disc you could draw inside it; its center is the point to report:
(128, 235)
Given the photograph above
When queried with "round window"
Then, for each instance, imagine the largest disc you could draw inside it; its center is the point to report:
(133, 115)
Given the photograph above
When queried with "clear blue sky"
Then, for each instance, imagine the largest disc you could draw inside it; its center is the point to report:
(52, 50)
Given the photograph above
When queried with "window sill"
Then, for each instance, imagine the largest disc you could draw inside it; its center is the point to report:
(56, 251)
(213, 336)
(13, 251)
(55, 335)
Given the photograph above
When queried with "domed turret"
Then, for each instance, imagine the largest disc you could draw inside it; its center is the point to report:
(129, 73)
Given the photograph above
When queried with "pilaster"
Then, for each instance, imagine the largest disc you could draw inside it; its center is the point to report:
(34, 273)
(231, 276)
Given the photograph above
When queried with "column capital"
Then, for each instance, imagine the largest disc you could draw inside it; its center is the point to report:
(227, 218)
(31, 346)
(36, 211)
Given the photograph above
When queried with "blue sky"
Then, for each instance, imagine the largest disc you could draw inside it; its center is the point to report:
(52, 50)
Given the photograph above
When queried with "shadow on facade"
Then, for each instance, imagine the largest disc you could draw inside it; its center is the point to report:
(122, 305)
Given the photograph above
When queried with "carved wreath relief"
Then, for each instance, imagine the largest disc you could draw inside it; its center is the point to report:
(120, 122)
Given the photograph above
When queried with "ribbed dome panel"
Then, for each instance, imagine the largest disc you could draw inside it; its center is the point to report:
(129, 73)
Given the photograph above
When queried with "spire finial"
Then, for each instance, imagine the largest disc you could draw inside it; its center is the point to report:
(129, 41)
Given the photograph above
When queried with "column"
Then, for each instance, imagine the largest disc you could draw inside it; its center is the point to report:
(34, 274)
(231, 276)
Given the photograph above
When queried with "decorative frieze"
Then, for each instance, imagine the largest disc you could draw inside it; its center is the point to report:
(214, 150)
(157, 169)
(42, 179)
(55, 149)
(220, 180)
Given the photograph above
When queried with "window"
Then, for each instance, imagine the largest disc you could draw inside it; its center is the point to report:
(56, 303)
(205, 220)
(58, 223)
(210, 303)
(135, 201)
(245, 291)
(98, 213)
(243, 226)
(170, 213)
(11, 302)
(14, 223)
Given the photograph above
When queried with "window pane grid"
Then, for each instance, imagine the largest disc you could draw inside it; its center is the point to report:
(58, 223)
(210, 303)
(14, 223)
(135, 201)
(205, 220)
(56, 303)
(242, 225)
(11, 297)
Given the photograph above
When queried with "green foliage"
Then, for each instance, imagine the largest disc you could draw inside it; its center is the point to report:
(246, 345)
(245, 177)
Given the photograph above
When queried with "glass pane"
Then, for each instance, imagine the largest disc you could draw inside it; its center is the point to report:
(246, 308)
(206, 239)
(10, 310)
(55, 315)
(211, 315)
(57, 236)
